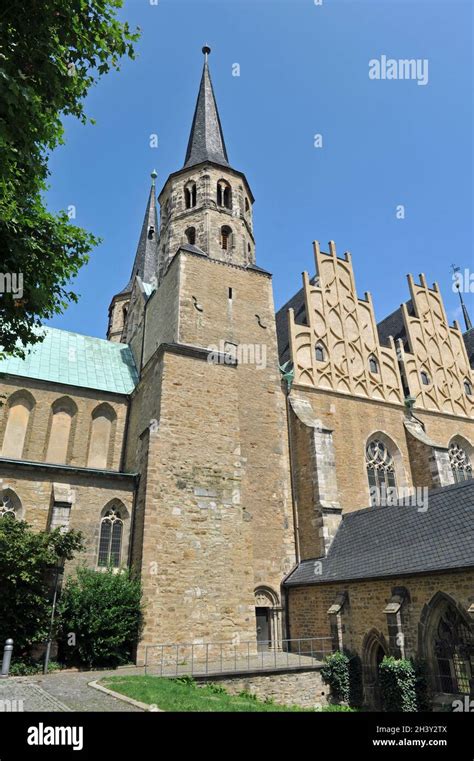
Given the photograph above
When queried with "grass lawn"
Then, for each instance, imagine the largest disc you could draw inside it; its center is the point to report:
(185, 695)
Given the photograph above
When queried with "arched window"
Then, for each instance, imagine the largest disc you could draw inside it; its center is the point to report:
(380, 472)
(247, 205)
(151, 232)
(319, 352)
(449, 646)
(460, 462)
(224, 194)
(19, 408)
(190, 234)
(10, 504)
(425, 378)
(63, 412)
(103, 419)
(190, 195)
(373, 364)
(110, 542)
(226, 238)
(467, 388)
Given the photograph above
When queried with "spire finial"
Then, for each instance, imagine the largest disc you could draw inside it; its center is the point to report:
(457, 285)
(206, 50)
(153, 176)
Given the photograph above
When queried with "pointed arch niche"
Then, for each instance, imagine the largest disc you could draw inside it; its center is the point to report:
(19, 408)
(101, 437)
(61, 430)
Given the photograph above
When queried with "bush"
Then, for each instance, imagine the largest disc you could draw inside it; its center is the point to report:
(397, 684)
(335, 672)
(100, 618)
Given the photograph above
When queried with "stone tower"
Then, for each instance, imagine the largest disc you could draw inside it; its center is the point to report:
(213, 523)
(207, 203)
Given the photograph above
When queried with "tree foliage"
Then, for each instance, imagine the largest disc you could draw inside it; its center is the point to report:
(51, 53)
(100, 618)
(26, 563)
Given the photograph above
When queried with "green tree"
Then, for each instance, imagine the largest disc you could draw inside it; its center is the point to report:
(51, 53)
(102, 610)
(26, 560)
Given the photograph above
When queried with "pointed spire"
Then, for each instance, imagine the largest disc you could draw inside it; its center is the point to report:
(465, 313)
(206, 141)
(147, 250)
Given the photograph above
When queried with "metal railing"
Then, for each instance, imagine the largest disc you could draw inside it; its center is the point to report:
(212, 658)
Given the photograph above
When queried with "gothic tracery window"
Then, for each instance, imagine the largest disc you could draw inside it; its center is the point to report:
(7, 506)
(460, 462)
(453, 648)
(110, 542)
(380, 471)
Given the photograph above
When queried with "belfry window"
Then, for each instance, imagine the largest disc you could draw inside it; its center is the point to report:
(224, 194)
(190, 195)
(380, 472)
(425, 378)
(319, 352)
(110, 543)
(373, 364)
(191, 235)
(226, 238)
(460, 462)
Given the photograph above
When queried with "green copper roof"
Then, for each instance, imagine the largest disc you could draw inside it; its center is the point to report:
(77, 360)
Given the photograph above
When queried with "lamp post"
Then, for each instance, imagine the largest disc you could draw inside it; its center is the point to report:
(58, 569)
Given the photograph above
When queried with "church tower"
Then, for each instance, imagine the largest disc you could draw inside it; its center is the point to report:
(207, 203)
(212, 529)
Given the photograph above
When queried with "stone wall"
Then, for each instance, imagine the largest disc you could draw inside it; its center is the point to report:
(308, 606)
(353, 421)
(301, 688)
(88, 494)
(45, 394)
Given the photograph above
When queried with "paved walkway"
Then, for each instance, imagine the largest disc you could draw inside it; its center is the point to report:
(62, 692)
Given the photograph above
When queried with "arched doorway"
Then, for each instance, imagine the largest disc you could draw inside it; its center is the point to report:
(267, 618)
(374, 648)
(447, 643)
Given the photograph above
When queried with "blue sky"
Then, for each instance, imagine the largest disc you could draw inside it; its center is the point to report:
(304, 70)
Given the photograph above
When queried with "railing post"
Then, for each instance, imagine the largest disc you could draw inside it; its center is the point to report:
(7, 656)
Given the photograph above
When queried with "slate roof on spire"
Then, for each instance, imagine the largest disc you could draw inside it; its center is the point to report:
(146, 258)
(206, 141)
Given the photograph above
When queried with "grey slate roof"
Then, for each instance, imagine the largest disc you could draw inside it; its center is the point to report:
(393, 325)
(206, 141)
(469, 341)
(396, 541)
(146, 258)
